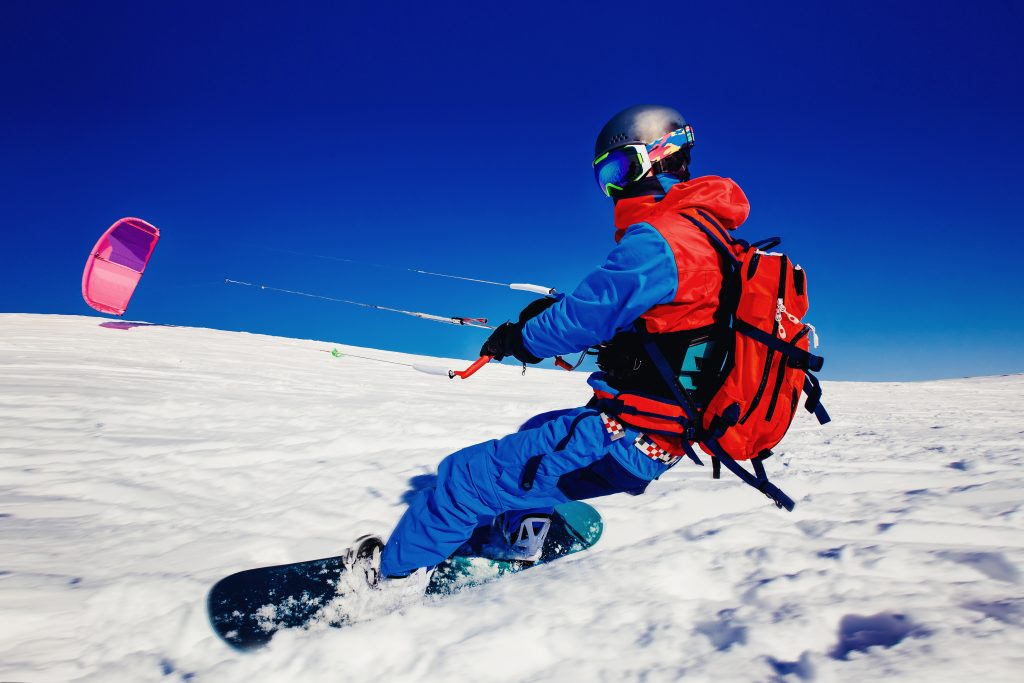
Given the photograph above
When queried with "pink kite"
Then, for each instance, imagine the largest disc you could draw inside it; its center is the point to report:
(116, 264)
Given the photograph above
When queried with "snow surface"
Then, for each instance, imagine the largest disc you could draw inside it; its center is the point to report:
(140, 465)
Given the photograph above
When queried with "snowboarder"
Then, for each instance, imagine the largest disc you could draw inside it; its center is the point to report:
(660, 283)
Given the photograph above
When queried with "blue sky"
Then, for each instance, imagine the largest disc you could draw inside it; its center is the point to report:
(881, 140)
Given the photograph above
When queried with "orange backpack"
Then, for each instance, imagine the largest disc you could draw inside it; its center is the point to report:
(769, 363)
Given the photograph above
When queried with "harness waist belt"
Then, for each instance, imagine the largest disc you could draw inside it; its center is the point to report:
(646, 413)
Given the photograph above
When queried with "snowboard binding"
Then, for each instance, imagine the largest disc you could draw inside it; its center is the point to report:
(524, 534)
(364, 556)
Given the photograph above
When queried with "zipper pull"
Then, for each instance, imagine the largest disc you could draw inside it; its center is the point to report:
(780, 308)
(814, 334)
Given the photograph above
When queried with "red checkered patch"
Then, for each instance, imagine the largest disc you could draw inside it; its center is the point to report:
(613, 427)
(654, 451)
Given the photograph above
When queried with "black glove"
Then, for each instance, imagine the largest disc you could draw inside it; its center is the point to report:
(507, 340)
(536, 307)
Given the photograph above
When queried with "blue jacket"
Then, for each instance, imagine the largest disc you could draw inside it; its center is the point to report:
(639, 273)
(661, 262)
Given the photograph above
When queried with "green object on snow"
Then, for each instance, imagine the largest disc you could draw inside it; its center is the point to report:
(336, 353)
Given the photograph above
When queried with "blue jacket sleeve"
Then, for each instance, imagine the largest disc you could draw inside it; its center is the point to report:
(639, 274)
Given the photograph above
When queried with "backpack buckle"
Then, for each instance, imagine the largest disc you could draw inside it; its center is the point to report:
(724, 420)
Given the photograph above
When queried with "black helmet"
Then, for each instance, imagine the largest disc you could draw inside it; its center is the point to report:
(645, 124)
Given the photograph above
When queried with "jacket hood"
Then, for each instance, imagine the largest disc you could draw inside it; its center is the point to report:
(721, 197)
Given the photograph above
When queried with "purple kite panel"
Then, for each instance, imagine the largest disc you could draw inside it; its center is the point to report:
(131, 246)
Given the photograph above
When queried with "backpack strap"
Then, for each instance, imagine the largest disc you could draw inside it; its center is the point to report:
(767, 243)
(719, 237)
(813, 390)
(682, 397)
(798, 358)
(760, 481)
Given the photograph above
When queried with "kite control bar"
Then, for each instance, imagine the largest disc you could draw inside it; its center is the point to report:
(561, 362)
(484, 360)
(536, 289)
(468, 372)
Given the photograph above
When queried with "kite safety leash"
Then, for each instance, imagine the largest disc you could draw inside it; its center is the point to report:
(444, 372)
(419, 367)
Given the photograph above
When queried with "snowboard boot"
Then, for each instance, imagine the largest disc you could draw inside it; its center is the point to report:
(403, 589)
(364, 557)
(524, 532)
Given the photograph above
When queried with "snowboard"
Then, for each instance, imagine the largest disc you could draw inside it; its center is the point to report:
(247, 608)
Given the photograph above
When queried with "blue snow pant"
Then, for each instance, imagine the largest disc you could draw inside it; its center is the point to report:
(556, 457)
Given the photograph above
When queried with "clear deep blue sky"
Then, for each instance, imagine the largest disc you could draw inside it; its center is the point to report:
(881, 140)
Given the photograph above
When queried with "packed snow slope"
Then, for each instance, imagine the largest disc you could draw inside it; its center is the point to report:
(140, 465)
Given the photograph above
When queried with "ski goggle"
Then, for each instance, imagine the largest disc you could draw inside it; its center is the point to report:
(617, 168)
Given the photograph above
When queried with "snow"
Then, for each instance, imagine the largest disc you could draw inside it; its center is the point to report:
(140, 465)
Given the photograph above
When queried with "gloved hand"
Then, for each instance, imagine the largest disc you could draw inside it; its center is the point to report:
(507, 340)
(536, 307)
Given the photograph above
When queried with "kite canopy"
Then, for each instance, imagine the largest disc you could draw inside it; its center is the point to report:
(116, 264)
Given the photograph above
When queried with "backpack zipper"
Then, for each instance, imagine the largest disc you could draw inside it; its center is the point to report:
(778, 377)
(783, 263)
